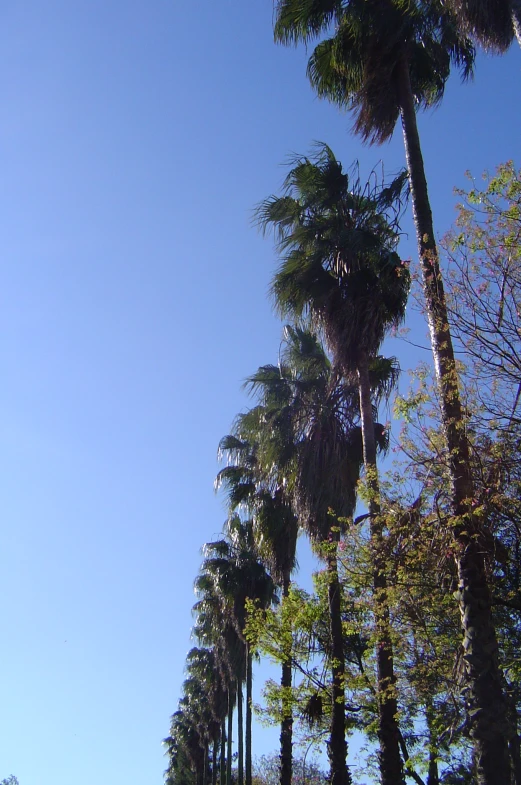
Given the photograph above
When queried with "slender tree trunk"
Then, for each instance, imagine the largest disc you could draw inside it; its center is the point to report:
(514, 744)
(286, 726)
(433, 777)
(337, 747)
(486, 702)
(249, 687)
(240, 732)
(204, 777)
(222, 760)
(214, 760)
(391, 767)
(229, 738)
(515, 755)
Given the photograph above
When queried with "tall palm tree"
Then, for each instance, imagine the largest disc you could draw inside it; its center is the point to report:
(189, 731)
(386, 59)
(214, 628)
(202, 667)
(238, 575)
(309, 443)
(255, 584)
(340, 268)
(275, 530)
(196, 706)
(180, 746)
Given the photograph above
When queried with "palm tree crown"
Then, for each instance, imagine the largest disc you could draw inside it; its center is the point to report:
(358, 67)
(339, 265)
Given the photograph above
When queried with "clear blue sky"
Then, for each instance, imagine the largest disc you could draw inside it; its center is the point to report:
(135, 137)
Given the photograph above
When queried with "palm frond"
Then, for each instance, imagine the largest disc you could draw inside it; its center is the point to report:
(302, 20)
(384, 374)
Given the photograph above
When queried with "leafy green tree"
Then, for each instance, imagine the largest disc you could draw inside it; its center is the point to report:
(385, 59)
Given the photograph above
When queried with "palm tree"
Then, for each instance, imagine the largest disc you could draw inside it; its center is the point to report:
(188, 732)
(275, 530)
(178, 743)
(196, 706)
(386, 59)
(237, 575)
(214, 628)
(340, 269)
(202, 667)
(255, 584)
(309, 444)
(179, 770)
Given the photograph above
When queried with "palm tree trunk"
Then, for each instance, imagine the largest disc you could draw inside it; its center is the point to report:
(337, 747)
(249, 686)
(240, 733)
(214, 760)
(204, 778)
(391, 767)
(222, 761)
(229, 738)
(514, 744)
(490, 727)
(286, 725)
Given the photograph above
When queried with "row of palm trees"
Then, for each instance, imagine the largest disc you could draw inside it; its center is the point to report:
(201, 729)
(385, 60)
(297, 455)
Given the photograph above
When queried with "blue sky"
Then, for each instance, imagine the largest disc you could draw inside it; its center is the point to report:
(135, 138)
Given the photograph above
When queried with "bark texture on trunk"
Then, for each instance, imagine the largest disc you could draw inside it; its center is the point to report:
(337, 746)
(286, 726)
(486, 702)
(391, 766)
